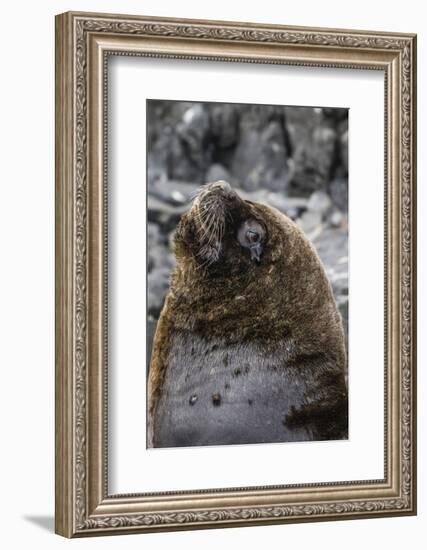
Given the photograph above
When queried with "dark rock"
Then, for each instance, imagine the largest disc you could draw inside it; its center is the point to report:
(181, 147)
(181, 165)
(246, 158)
(335, 115)
(192, 133)
(162, 116)
(224, 124)
(313, 144)
(260, 159)
(257, 117)
(338, 191)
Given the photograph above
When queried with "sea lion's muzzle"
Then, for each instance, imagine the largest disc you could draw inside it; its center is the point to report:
(221, 216)
(217, 192)
(209, 213)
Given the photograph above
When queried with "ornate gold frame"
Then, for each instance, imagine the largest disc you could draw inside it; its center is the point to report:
(83, 42)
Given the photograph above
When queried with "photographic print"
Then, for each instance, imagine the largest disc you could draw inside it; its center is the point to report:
(202, 274)
(247, 286)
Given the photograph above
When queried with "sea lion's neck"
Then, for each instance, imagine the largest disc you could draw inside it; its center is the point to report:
(221, 306)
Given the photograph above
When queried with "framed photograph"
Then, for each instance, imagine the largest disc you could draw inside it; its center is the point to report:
(235, 274)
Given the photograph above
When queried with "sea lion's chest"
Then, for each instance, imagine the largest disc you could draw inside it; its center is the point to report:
(217, 394)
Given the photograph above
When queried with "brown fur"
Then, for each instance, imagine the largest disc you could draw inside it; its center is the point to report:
(286, 295)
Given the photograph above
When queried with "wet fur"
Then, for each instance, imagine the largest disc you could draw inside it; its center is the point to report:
(282, 305)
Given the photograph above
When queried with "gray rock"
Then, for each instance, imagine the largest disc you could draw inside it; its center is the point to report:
(291, 206)
(309, 221)
(183, 164)
(163, 214)
(163, 115)
(338, 191)
(337, 219)
(174, 192)
(335, 115)
(160, 257)
(246, 158)
(160, 151)
(344, 150)
(332, 247)
(154, 236)
(218, 172)
(295, 212)
(249, 141)
(156, 174)
(192, 131)
(257, 117)
(320, 202)
(260, 159)
(155, 244)
(183, 149)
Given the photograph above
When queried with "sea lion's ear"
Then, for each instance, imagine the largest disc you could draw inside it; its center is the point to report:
(256, 251)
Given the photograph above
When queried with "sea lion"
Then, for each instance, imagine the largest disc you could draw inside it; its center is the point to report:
(249, 347)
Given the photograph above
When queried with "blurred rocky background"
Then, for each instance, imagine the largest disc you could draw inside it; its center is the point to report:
(293, 158)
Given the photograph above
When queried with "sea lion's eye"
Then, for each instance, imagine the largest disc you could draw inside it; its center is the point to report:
(252, 236)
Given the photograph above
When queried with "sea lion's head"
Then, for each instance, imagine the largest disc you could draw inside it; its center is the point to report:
(243, 269)
(223, 234)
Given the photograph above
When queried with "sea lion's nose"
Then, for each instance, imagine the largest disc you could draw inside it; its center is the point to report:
(220, 189)
(224, 189)
(220, 185)
(224, 186)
